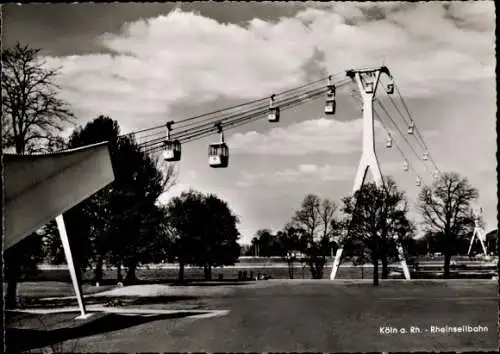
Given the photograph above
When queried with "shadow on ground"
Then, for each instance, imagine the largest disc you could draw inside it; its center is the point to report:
(33, 302)
(23, 339)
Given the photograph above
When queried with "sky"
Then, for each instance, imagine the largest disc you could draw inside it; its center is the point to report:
(145, 64)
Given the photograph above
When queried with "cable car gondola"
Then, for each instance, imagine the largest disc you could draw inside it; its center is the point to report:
(218, 153)
(172, 150)
(418, 183)
(388, 142)
(411, 127)
(369, 87)
(406, 166)
(330, 104)
(390, 88)
(426, 156)
(274, 112)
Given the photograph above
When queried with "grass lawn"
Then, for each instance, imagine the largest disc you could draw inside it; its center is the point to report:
(299, 315)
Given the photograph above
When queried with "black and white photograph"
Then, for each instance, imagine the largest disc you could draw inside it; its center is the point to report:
(277, 176)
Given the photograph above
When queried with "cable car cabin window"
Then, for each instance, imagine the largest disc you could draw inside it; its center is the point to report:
(172, 151)
(274, 114)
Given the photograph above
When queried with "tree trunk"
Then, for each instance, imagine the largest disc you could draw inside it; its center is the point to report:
(320, 267)
(312, 269)
(98, 270)
(447, 260)
(290, 269)
(385, 265)
(208, 272)
(119, 276)
(11, 296)
(20, 145)
(181, 271)
(375, 270)
(385, 268)
(447, 255)
(131, 276)
(12, 275)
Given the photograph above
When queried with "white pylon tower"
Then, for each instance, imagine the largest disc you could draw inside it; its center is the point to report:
(478, 231)
(367, 81)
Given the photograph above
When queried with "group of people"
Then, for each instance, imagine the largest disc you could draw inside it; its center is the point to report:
(243, 275)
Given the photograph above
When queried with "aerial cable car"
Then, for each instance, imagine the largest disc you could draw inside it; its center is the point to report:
(406, 166)
(330, 104)
(388, 142)
(411, 127)
(172, 150)
(369, 84)
(274, 112)
(218, 153)
(436, 174)
(426, 156)
(390, 87)
(418, 183)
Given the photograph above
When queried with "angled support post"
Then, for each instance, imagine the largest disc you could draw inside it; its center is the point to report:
(71, 266)
(367, 81)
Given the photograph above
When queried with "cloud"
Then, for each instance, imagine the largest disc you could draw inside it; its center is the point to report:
(311, 136)
(306, 174)
(185, 58)
(182, 58)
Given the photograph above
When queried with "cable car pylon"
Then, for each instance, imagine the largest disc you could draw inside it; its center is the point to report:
(367, 81)
(479, 232)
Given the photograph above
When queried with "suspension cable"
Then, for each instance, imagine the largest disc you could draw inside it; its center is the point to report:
(397, 128)
(207, 127)
(416, 128)
(229, 125)
(231, 107)
(248, 119)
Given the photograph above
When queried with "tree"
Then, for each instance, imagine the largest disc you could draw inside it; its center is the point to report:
(265, 244)
(183, 230)
(33, 115)
(139, 184)
(52, 250)
(290, 245)
(204, 231)
(254, 250)
(119, 223)
(89, 223)
(371, 213)
(446, 210)
(492, 242)
(20, 260)
(32, 118)
(393, 222)
(316, 218)
(220, 237)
